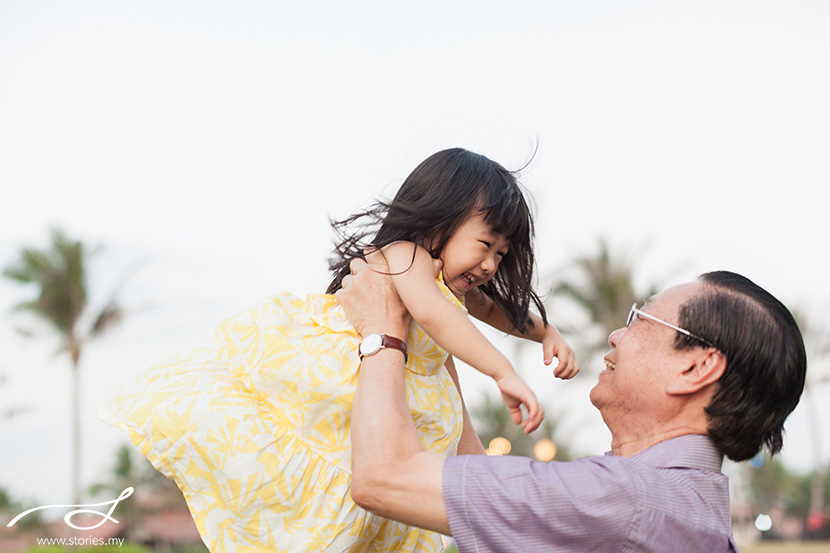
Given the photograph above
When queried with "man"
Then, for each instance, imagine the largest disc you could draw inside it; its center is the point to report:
(705, 369)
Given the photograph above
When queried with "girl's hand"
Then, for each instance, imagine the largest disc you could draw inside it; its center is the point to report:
(554, 345)
(516, 393)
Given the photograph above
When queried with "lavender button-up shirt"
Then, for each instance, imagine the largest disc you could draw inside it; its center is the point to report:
(671, 497)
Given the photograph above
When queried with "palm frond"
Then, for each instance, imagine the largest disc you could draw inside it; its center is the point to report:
(111, 315)
(601, 284)
(58, 275)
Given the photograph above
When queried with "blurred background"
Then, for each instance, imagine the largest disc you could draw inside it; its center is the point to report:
(196, 151)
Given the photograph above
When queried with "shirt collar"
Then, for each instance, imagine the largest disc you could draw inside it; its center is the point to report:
(689, 451)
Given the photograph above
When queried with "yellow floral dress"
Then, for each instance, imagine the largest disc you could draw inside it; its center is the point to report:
(255, 429)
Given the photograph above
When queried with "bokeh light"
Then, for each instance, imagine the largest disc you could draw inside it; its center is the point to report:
(763, 522)
(545, 450)
(499, 446)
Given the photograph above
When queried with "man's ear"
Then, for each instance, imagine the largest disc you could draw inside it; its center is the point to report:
(705, 369)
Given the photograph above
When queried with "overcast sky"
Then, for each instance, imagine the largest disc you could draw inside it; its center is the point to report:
(205, 144)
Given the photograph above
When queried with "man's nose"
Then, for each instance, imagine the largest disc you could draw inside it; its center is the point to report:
(614, 337)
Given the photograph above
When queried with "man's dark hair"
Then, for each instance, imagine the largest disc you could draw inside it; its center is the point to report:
(766, 363)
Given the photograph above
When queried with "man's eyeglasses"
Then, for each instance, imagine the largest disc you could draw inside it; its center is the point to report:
(636, 312)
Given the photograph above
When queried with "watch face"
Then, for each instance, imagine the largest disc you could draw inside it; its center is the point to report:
(371, 344)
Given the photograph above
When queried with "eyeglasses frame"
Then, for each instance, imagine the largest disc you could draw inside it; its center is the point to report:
(634, 311)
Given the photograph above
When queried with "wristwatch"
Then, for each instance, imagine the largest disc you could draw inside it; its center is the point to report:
(373, 343)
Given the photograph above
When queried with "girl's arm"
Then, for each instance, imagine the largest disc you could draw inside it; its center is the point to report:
(414, 280)
(483, 308)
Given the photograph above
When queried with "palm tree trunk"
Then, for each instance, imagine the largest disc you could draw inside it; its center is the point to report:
(76, 431)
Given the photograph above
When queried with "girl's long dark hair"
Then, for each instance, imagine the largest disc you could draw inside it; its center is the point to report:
(434, 200)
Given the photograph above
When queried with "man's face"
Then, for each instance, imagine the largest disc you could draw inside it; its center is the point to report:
(642, 360)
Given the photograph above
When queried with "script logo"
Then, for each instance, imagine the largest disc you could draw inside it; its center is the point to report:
(84, 509)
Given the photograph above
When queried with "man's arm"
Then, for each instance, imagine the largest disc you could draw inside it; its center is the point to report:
(392, 474)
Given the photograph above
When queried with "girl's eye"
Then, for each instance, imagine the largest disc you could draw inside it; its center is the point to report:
(485, 243)
(502, 254)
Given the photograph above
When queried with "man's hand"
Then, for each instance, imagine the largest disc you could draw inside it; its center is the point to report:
(370, 300)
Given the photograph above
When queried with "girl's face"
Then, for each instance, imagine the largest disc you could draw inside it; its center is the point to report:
(472, 255)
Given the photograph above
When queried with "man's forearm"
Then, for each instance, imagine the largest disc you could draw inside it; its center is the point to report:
(392, 474)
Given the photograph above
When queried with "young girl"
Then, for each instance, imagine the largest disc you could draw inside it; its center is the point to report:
(255, 429)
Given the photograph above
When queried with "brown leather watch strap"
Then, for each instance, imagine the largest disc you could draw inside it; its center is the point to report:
(396, 343)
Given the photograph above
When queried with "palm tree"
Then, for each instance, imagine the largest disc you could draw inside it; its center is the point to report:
(59, 274)
(602, 287)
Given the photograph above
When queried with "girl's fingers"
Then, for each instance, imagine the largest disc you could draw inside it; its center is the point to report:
(516, 414)
(535, 416)
(549, 352)
(532, 423)
(567, 368)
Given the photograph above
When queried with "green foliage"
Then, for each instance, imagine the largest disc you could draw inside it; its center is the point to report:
(5, 500)
(132, 470)
(786, 547)
(196, 547)
(602, 286)
(10, 508)
(772, 485)
(124, 548)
